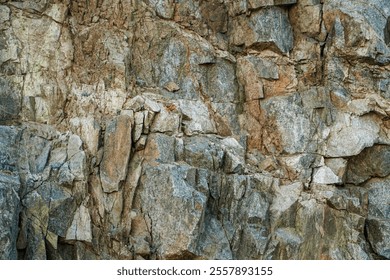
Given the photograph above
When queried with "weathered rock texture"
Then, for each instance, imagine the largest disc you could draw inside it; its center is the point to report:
(214, 129)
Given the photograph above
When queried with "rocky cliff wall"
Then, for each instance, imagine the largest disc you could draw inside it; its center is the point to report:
(190, 129)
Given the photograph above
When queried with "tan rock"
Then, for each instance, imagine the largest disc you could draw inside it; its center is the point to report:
(248, 77)
(171, 86)
(162, 129)
(117, 148)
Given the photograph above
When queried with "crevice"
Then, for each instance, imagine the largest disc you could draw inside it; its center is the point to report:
(386, 32)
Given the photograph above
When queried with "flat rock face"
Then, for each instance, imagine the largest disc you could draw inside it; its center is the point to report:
(9, 100)
(174, 189)
(162, 129)
(263, 29)
(117, 147)
(371, 162)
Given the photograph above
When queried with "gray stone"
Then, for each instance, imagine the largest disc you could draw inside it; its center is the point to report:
(285, 244)
(196, 118)
(260, 3)
(369, 23)
(371, 162)
(42, 159)
(256, 229)
(202, 152)
(285, 2)
(219, 84)
(338, 166)
(348, 198)
(301, 166)
(58, 157)
(164, 8)
(285, 199)
(148, 121)
(34, 6)
(77, 166)
(379, 237)
(166, 121)
(36, 220)
(292, 124)
(265, 68)
(10, 184)
(152, 106)
(325, 175)
(350, 136)
(379, 199)
(234, 155)
(169, 187)
(243, 209)
(384, 86)
(330, 171)
(213, 243)
(35, 150)
(160, 148)
(9, 216)
(62, 206)
(162, 129)
(10, 101)
(141, 247)
(310, 2)
(172, 61)
(9, 140)
(138, 125)
(65, 176)
(315, 98)
(135, 104)
(74, 145)
(4, 13)
(265, 28)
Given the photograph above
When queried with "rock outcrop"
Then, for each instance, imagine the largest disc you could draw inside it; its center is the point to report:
(164, 129)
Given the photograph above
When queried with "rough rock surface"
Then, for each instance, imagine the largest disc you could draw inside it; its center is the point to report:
(166, 129)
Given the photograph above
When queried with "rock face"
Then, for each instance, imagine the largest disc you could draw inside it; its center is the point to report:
(165, 129)
(9, 187)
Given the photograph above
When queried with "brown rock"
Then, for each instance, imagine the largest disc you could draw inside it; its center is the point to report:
(117, 148)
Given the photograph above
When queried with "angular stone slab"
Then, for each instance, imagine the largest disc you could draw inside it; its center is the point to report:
(265, 28)
(371, 162)
(117, 147)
